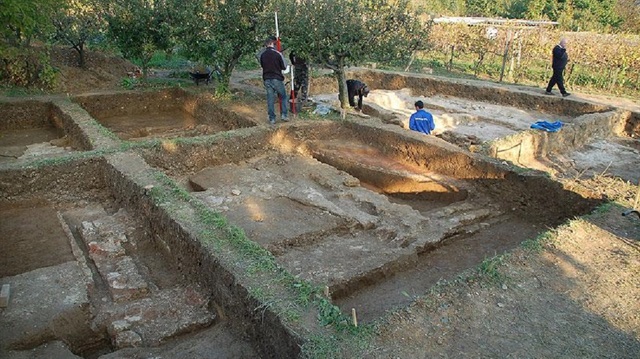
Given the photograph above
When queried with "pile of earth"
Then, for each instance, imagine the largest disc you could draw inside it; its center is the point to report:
(102, 71)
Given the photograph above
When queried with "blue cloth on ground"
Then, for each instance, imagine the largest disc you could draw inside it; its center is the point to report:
(548, 126)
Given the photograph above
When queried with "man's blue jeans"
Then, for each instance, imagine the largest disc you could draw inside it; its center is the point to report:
(276, 88)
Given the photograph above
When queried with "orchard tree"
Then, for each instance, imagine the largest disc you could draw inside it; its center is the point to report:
(140, 28)
(340, 33)
(77, 22)
(219, 33)
(22, 22)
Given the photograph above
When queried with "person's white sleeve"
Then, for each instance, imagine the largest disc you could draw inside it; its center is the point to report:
(287, 68)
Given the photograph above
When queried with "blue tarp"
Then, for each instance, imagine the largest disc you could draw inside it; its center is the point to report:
(548, 126)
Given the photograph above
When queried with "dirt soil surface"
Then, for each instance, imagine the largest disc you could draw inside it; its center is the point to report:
(576, 296)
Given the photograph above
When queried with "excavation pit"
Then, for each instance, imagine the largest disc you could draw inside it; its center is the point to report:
(35, 129)
(367, 210)
(495, 120)
(161, 114)
(91, 276)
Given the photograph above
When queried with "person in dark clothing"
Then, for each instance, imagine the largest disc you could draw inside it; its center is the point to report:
(300, 77)
(273, 65)
(356, 88)
(559, 62)
(421, 120)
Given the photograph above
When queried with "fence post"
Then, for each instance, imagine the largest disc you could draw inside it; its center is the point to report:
(505, 54)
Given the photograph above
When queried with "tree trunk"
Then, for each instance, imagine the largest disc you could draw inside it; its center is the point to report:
(413, 56)
(341, 77)
(453, 47)
(81, 55)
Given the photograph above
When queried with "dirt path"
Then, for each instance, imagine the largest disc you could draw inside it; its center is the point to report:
(579, 298)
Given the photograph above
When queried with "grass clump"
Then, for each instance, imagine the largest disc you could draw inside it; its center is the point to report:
(489, 269)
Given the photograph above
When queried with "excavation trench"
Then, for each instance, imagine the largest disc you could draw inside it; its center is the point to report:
(35, 130)
(496, 121)
(165, 114)
(370, 212)
(373, 212)
(89, 269)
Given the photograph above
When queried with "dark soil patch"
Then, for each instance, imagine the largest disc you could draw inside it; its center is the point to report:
(31, 238)
(166, 124)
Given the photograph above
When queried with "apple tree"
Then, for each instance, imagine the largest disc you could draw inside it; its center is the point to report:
(341, 33)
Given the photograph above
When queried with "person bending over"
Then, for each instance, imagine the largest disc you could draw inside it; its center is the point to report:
(421, 120)
(356, 88)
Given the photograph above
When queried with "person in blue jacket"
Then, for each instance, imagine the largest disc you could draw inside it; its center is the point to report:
(421, 120)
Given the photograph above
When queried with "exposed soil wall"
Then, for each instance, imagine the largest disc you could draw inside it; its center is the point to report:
(534, 196)
(63, 119)
(428, 86)
(129, 103)
(201, 106)
(527, 146)
(204, 108)
(531, 194)
(57, 182)
(430, 153)
(127, 179)
(179, 157)
(633, 125)
(24, 115)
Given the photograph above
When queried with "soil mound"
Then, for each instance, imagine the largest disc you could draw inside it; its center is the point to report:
(102, 71)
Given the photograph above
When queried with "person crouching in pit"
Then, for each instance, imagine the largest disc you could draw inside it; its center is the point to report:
(356, 88)
(421, 120)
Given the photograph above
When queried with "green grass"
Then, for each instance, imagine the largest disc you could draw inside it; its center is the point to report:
(489, 269)
(16, 91)
(537, 244)
(163, 60)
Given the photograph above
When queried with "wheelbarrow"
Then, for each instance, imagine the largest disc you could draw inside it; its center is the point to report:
(201, 76)
(630, 212)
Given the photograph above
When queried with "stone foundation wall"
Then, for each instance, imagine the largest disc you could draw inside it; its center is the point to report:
(197, 261)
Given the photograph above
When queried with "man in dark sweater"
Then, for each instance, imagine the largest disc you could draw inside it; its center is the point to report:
(559, 62)
(356, 88)
(273, 65)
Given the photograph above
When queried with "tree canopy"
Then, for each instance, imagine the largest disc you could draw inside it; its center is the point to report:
(218, 33)
(341, 33)
(77, 22)
(140, 27)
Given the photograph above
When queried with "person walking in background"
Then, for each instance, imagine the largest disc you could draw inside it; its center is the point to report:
(273, 65)
(559, 62)
(421, 120)
(359, 88)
